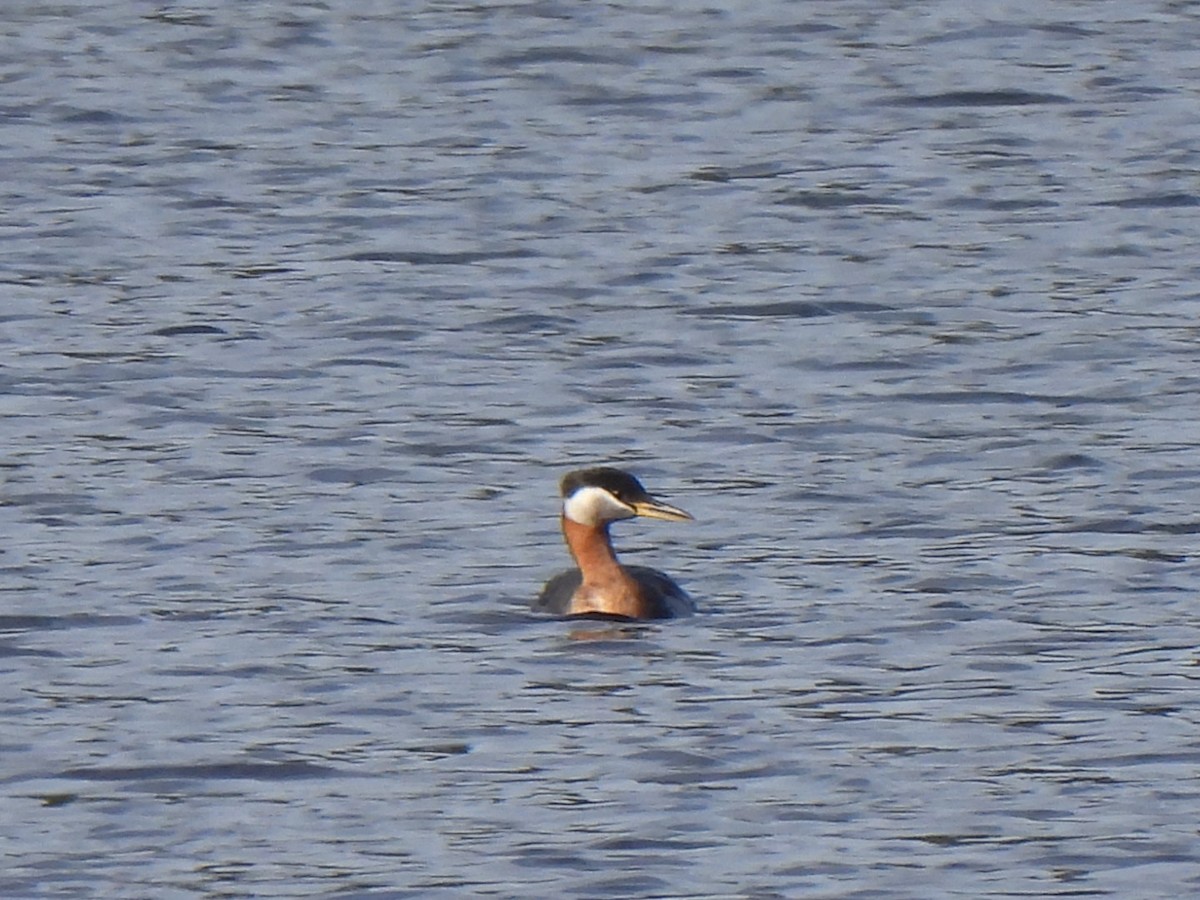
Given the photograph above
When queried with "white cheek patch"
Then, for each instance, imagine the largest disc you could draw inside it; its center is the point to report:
(594, 506)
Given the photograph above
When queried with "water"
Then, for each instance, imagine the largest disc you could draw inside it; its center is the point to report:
(307, 308)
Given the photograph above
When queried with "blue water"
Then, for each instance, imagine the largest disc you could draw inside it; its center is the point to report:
(307, 308)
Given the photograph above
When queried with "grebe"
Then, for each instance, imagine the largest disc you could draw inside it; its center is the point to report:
(592, 500)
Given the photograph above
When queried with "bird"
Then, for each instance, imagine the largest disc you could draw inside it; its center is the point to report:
(592, 499)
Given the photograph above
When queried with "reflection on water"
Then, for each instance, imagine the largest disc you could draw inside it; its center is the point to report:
(306, 310)
(597, 632)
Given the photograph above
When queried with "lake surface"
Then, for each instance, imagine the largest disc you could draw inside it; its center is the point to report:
(307, 308)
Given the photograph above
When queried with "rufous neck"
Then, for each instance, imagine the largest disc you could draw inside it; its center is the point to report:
(592, 549)
(605, 587)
